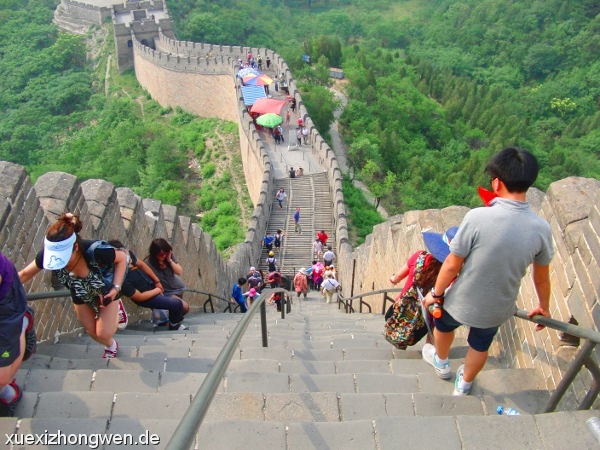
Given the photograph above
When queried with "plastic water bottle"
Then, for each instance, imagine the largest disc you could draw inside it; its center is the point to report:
(507, 412)
(593, 423)
(436, 310)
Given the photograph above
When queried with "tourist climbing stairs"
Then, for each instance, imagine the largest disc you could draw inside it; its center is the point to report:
(327, 381)
(310, 193)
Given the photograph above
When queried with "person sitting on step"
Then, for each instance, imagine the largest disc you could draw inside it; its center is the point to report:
(143, 287)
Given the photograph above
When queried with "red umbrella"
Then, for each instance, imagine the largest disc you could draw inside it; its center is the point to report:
(257, 80)
(267, 105)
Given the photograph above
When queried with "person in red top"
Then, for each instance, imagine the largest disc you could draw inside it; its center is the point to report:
(322, 237)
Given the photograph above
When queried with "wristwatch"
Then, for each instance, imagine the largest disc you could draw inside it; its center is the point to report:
(117, 287)
(435, 296)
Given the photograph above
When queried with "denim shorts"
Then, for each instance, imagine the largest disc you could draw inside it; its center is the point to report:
(479, 339)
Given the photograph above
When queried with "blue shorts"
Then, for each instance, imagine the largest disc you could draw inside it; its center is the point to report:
(479, 339)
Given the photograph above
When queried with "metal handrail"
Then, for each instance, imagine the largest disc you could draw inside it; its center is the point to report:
(231, 306)
(583, 358)
(184, 434)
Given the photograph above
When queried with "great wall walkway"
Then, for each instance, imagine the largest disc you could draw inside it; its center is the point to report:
(327, 379)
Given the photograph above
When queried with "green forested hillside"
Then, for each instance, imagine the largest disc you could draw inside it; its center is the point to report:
(436, 86)
(62, 111)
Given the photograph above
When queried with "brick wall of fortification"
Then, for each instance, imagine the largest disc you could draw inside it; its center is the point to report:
(206, 89)
(107, 213)
(84, 12)
(571, 206)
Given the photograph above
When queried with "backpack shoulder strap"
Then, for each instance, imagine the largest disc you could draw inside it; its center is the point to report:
(419, 266)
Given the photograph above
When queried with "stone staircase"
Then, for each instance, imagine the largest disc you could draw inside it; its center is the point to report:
(311, 194)
(326, 381)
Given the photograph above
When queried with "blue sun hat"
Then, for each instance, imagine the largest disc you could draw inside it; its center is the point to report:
(439, 244)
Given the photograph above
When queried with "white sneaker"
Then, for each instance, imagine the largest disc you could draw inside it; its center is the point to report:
(430, 357)
(123, 320)
(459, 376)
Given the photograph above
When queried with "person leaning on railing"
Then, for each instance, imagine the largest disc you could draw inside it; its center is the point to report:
(95, 299)
(492, 250)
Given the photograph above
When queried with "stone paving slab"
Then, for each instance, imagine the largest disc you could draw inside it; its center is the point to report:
(503, 431)
(126, 381)
(8, 425)
(386, 382)
(302, 407)
(253, 365)
(74, 405)
(256, 341)
(136, 405)
(59, 380)
(237, 406)
(322, 383)
(427, 405)
(37, 361)
(337, 343)
(318, 354)
(77, 351)
(26, 406)
(88, 427)
(140, 430)
(278, 354)
(199, 333)
(357, 366)
(147, 364)
(308, 367)
(409, 366)
(205, 352)
(366, 354)
(82, 364)
(566, 429)
(153, 351)
(430, 383)
(355, 435)
(418, 433)
(412, 353)
(220, 435)
(369, 406)
(257, 382)
(199, 365)
(517, 388)
(182, 383)
(171, 341)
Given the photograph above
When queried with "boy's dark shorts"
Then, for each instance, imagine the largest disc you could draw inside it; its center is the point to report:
(479, 339)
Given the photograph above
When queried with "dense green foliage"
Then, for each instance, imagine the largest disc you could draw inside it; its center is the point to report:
(54, 116)
(362, 216)
(494, 73)
(436, 86)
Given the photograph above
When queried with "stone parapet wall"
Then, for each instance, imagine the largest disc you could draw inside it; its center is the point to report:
(571, 208)
(107, 213)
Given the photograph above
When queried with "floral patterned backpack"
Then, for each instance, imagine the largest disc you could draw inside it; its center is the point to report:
(406, 326)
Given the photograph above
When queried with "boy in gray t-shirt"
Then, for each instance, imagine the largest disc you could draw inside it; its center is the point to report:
(492, 251)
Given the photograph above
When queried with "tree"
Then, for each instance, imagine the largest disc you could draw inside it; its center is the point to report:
(379, 182)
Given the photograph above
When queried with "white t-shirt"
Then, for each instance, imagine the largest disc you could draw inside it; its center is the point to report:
(330, 284)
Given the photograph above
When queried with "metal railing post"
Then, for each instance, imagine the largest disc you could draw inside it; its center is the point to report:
(569, 376)
(263, 324)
